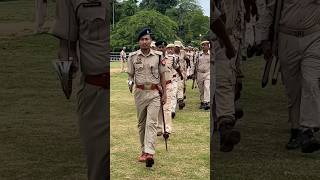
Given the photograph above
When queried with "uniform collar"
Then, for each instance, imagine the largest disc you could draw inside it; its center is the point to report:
(205, 53)
(150, 53)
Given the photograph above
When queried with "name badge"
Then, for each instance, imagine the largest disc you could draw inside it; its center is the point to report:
(91, 4)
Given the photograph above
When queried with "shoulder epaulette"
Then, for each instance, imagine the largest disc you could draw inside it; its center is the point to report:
(133, 53)
(158, 53)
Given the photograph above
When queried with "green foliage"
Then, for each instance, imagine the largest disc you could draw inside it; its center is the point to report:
(158, 5)
(169, 19)
(128, 28)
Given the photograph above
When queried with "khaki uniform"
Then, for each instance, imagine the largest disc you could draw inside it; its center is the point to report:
(40, 14)
(123, 57)
(167, 108)
(89, 29)
(226, 70)
(190, 68)
(174, 85)
(299, 57)
(183, 65)
(203, 75)
(146, 70)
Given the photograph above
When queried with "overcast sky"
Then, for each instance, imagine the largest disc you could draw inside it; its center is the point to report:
(205, 4)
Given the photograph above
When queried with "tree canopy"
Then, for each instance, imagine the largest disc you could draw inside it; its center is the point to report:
(169, 20)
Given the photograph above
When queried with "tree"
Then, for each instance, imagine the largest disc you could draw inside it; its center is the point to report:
(125, 33)
(123, 9)
(158, 5)
(190, 18)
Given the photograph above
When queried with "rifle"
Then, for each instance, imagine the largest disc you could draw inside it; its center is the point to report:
(165, 134)
(195, 71)
(274, 38)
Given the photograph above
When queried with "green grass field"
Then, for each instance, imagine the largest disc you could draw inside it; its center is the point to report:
(39, 131)
(188, 146)
(38, 126)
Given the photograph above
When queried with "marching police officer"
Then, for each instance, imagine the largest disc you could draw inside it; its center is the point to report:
(298, 52)
(203, 74)
(146, 72)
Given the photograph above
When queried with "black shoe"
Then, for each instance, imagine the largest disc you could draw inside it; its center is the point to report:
(206, 106)
(309, 143)
(181, 104)
(149, 160)
(228, 137)
(259, 50)
(295, 140)
(239, 113)
(251, 50)
(201, 105)
(173, 114)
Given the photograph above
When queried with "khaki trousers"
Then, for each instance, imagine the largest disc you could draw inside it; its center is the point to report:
(174, 94)
(167, 112)
(148, 107)
(123, 65)
(203, 81)
(225, 80)
(94, 128)
(300, 68)
(180, 88)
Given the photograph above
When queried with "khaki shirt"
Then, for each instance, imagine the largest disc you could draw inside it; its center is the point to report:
(89, 28)
(203, 60)
(171, 64)
(145, 69)
(295, 14)
(234, 11)
(181, 59)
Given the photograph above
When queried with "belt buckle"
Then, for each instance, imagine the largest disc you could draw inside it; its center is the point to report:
(147, 86)
(299, 33)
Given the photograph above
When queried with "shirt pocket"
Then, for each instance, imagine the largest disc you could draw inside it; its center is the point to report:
(93, 22)
(97, 28)
(154, 71)
(138, 67)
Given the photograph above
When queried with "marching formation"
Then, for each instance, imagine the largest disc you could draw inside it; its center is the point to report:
(158, 73)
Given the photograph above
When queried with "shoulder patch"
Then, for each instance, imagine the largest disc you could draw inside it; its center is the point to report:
(158, 52)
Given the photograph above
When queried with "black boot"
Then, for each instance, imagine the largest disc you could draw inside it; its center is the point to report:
(181, 104)
(206, 106)
(201, 105)
(295, 139)
(309, 143)
(239, 113)
(228, 137)
(173, 114)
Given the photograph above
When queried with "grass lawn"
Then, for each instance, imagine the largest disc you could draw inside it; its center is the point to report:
(188, 146)
(265, 130)
(39, 131)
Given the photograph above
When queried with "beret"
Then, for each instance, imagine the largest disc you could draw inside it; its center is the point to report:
(144, 32)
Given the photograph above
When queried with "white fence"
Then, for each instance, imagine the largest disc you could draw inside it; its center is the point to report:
(115, 56)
